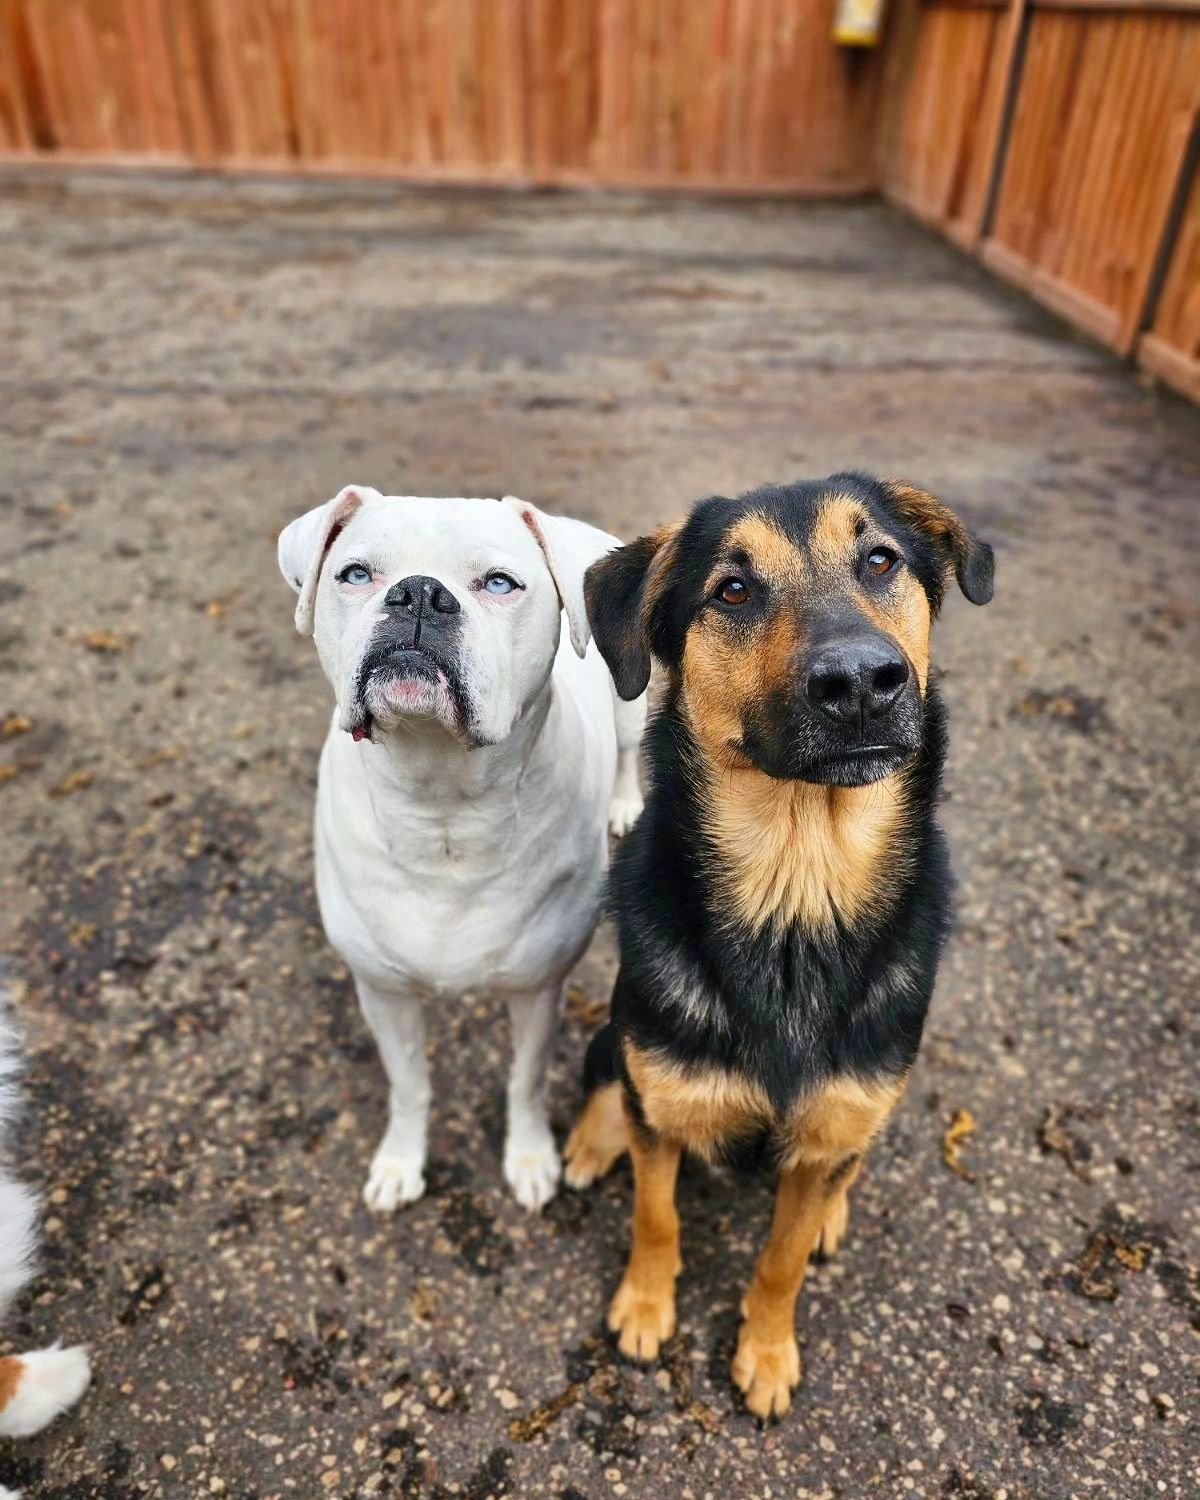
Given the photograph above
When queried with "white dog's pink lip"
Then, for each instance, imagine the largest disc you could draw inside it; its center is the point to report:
(416, 686)
(404, 682)
(407, 684)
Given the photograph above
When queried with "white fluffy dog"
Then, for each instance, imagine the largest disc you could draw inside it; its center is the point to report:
(34, 1388)
(473, 768)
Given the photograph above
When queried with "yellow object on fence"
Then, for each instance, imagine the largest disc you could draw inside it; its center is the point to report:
(858, 23)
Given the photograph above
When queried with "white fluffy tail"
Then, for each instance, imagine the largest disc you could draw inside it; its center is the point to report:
(18, 1206)
(34, 1388)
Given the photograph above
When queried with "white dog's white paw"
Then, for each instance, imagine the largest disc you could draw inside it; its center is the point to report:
(48, 1382)
(532, 1169)
(623, 812)
(393, 1181)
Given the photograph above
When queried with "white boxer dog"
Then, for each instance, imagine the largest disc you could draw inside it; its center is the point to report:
(39, 1386)
(473, 768)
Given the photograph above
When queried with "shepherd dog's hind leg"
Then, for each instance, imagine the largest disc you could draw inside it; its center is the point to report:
(836, 1224)
(600, 1138)
(601, 1134)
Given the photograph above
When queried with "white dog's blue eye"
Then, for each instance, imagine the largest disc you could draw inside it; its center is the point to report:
(500, 583)
(355, 573)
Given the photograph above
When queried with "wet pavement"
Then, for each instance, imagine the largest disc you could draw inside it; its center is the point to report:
(189, 365)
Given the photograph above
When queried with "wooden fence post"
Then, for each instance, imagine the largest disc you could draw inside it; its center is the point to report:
(1000, 125)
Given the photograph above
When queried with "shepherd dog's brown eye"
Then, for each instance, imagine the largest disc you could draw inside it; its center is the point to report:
(881, 560)
(732, 592)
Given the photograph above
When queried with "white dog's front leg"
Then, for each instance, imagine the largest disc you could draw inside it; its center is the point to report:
(626, 804)
(531, 1164)
(397, 1022)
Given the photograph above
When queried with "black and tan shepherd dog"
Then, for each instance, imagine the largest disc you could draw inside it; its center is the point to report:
(783, 901)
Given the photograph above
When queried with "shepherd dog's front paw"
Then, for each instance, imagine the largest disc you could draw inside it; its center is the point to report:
(642, 1320)
(766, 1373)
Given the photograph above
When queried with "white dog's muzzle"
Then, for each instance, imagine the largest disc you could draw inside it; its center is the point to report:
(412, 662)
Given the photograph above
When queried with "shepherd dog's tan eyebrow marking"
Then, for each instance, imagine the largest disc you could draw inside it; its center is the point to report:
(772, 553)
(834, 537)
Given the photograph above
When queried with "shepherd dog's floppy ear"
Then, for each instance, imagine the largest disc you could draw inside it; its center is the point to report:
(622, 591)
(971, 559)
(305, 543)
(568, 547)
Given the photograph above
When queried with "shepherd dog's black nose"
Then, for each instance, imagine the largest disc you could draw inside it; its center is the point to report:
(857, 680)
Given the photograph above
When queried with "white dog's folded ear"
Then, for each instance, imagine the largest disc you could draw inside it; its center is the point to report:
(570, 548)
(305, 543)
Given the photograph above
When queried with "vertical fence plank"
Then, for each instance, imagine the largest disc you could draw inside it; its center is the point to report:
(18, 133)
(1171, 347)
(1101, 127)
(945, 88)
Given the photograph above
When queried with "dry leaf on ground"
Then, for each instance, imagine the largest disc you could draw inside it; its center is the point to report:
(961, 1126)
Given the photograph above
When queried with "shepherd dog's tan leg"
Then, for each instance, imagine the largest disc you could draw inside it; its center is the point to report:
(766, 1367)
(643, 1311)
(831, 1133)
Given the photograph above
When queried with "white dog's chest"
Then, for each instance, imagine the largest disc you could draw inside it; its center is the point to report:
(441, 896)
(448, 930)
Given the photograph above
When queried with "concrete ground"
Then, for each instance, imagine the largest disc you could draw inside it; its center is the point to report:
(187, 366)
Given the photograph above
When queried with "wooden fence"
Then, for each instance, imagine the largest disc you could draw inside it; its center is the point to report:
(736, 94)
(1058, 140)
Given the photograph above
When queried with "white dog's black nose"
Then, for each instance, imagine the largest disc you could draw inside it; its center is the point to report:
(420, 593)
